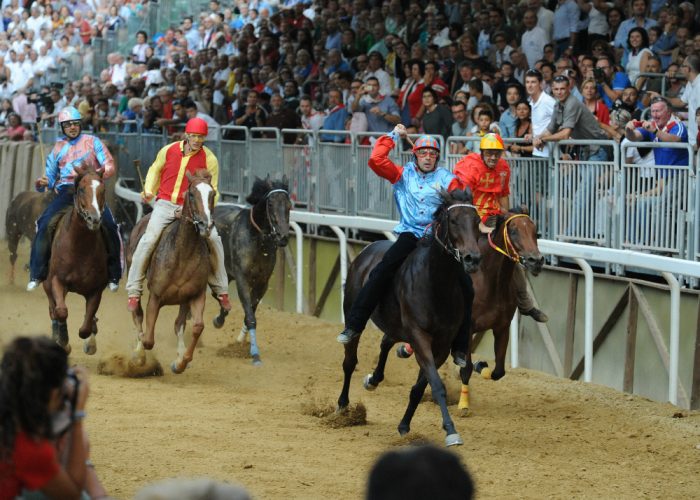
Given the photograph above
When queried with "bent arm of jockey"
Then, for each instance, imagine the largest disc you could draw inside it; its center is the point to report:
(379, 160)
(51, 172)
(152, 183)
(213, 169)
(465, 170)
(104, 157)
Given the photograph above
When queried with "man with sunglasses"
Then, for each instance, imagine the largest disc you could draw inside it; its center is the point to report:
(416, 190)
(69, 152)
(167, 183)
(487, 174)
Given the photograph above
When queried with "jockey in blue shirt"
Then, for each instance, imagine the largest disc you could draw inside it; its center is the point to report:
(416, 190)
(70, 152)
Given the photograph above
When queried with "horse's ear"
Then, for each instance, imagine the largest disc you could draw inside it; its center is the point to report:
(524, 210)
(285, 180)
(81, 169)
(268, 180)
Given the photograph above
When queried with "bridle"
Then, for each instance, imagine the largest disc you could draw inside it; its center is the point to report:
(510, 250)
(273, 229)
(449, 247)
(192, 217)
(84, 214)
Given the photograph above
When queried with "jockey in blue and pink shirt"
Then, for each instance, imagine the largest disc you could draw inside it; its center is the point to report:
(70, 152)
(417, 185)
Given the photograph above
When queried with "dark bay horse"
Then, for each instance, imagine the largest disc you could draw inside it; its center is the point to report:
(424, 305)
(78, 260)
(513, 242)
(251, 237)
(178, 270)
(20, 220)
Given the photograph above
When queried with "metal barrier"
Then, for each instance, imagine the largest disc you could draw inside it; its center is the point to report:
(655, 202)
(584, 191)
(373, 195)
(233, 162)
(298, 161)
(334, 172)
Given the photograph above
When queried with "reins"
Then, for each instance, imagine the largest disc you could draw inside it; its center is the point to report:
(191, 217)
(510, 250)
(449, 247)
(267, 213)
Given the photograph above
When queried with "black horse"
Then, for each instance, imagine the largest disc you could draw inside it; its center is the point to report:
(251, 237)
(423, 306)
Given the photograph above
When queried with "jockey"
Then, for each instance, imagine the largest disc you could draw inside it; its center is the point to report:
(166, 181)
(488, 176)
(68, 153)
(416, 187)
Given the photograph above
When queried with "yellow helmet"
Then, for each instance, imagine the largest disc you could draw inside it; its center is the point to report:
(491, 141)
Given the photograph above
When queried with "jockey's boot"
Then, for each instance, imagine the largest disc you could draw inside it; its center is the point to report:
(347, 336)
(133, 304)
(224, 302)
(404, 351)
(113, 286)
(32, 285)
(536, 314)
(459, 358)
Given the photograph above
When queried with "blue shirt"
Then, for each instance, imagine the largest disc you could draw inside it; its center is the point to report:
(624, 30)
(620, 82)
(667, 156)
(376, 123)
(565, 20)
(335, 121)
(507, 124)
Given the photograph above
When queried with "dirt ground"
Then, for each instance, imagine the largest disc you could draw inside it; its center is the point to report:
(530, 435)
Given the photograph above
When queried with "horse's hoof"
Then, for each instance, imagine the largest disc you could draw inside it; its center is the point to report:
(339, 410)
(256, 360)
(403, 430)
(67, 348)
(90, 346)
(218, 322)
(367, 383)
(242, 334)
(465, 412)
(174, 368)
(453, 440)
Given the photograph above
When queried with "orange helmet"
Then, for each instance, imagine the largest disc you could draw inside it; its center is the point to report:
(491, 141)
(197, 126)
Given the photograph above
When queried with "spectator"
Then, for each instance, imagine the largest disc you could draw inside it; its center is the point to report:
(506, 81)
(437, 119)
(542, 106)
(500, 50)
(639, 52)
(335, 118)
(663, 127)
(514, 95)
(375, 69)
(523, 129)
(138, 52)
(253, 114)
(468, 53)
(381, 111)
(566, 16)
(417, 473)
(629, 100)
(593, 103)
(483, 117)
(282, 117)
(596, 11)
(650, 84)
(610, 83)
(534, 38)
(638, 20)
(545, 17)
(14, 130)
(411, 93)
(310, 118)
(153, 111)
(5, 111)
(460, 126)
(44, 446)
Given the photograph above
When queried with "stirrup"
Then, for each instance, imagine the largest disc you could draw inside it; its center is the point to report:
(113, 286)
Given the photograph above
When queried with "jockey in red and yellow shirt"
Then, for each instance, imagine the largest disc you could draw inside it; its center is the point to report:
(487, 174)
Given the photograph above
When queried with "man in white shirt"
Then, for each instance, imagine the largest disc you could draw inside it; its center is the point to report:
(375, 69)
(542, 105)
(534, 39)
(36, 21)
(545, 17)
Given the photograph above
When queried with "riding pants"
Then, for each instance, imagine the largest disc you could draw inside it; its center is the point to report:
(522, 295)
(164, 212)
(41, 246)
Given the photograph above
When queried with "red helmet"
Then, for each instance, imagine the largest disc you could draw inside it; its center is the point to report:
(197, 126)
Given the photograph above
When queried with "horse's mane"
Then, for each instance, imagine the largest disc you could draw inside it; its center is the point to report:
(85, 167)
(263, 186)
(448, 198)
(202, 175)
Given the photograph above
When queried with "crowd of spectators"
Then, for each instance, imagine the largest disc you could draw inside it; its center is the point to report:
(362, 65)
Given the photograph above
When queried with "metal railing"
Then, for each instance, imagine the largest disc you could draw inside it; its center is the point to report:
(583, 199)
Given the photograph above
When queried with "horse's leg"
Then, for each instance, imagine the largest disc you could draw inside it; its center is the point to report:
(13, 237)
(180, 323)
(373, 380)
(249, 303)
(424, 356)
(139, 352)
(152, 310)
(197, 310)
(349, 364)
(58, 294)
(55, 324)
(465, 374)
(88, 329)
(414, 399)
(500, 346)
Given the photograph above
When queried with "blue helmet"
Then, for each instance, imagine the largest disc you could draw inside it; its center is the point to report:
(69, 114)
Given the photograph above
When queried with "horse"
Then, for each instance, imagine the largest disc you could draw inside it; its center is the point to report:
(513, 242)
(251, 237)
(178, 271)
(20, 220)
(78, 261)
(424, 304)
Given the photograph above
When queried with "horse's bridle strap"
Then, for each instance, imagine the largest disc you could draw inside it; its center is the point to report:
(510, 250)
(267, 211)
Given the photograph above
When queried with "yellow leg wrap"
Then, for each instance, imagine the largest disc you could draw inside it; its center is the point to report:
(464, 398)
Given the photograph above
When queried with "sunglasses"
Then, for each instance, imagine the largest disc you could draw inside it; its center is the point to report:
(75, 123)
(422, 153)
(533, 72)
(561, 79)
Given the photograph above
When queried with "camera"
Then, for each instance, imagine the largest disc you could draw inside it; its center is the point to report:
(599, 75)
(62, 420)
(42, 100)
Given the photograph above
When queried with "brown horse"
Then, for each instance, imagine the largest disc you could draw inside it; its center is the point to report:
(20, 220)
(513, 242)
(178, 270)
(79, 259)
(251, 237)
(424, 305)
